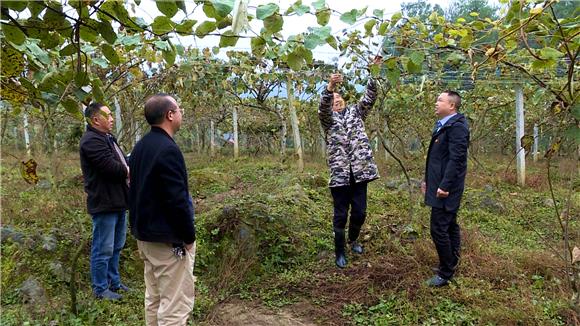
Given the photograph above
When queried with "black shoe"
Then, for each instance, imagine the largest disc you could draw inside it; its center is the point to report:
(437, 281)
(356, 248)
(339, 243)
(109, 296)
(121, 288)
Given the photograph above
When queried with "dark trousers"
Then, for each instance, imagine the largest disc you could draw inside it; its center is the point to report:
(446, 236)
(353, 196)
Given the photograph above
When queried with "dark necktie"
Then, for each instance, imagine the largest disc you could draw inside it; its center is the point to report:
(436, 127)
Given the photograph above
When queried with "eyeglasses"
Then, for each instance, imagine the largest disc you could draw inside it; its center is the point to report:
(178, 109)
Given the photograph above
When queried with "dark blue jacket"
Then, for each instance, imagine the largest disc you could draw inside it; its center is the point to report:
(447, 164)
(104, 175)
(160, 208)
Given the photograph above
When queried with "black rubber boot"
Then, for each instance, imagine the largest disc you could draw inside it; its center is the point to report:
(353, 233)
(339, 243)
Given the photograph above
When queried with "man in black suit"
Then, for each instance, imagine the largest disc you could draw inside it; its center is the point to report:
(162, 217)
(445, 181)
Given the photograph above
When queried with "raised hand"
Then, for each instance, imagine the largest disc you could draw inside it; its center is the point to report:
(335, 79)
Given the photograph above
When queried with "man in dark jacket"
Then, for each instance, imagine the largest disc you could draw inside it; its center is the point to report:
(444, 183)
(106, 174)
(161, 216)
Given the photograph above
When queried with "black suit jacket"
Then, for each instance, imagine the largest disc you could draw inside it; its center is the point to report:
(446, 165)
(104, 175)
(160, 208)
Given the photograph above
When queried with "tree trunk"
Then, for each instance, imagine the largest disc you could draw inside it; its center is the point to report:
(295, 126)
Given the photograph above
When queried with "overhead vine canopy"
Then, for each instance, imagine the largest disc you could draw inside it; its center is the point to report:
(64, 54)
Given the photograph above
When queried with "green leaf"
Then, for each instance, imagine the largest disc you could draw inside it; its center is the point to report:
(228, 38)
(369, 27)
(323, 17)
(68, 50)
(14, 5)
(393, 75)
(576, 111)
(107, 32)
(383, 28)
(51, 40)
(331, 40)
(375, 70)
(98, 95)
(162, 25)
(130, 40)
(273, 24)
(81, 79)
(573, 133)
(71, 106)
(378, 13)
(186, 27)
(311, 41)
(550, 53)
(417, 57)
(543, 64)
(223, 23)
(395, 18)
(319, 5)
(349, 17)
(209, 10)
(162, 45)
(265, 11)
(321, 32)
(167, 7)
(38, 53)
(181, 5)
(258, 45)
(304, 53)
(110, 54)
(169, 56)
(88, 34)
(295, 61)
(179, 49)
(300, 9)
(223, 7)
(205, 28)
(13, 34)
(35, 8)
(413, 68)
(101, 62)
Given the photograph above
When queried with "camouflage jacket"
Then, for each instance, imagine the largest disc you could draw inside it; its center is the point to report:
(347, 143)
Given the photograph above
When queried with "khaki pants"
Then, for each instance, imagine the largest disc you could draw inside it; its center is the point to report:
(169, 284)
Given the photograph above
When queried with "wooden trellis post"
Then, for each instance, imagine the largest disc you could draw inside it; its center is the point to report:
(235, 123)
(521, 153)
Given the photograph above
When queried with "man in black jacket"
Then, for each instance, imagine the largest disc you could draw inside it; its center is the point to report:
(161, 216)
(106, 177)
(444, 183)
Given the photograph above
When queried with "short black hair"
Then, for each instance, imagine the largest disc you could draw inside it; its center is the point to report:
(93, 109)
(156, 107)
(455, 98)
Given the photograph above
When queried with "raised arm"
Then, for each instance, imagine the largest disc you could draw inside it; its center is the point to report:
(368, 100)
(325, 107)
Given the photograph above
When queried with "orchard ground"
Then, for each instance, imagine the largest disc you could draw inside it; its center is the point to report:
(265, 251)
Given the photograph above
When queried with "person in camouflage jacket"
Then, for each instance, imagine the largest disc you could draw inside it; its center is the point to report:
(350, 159)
